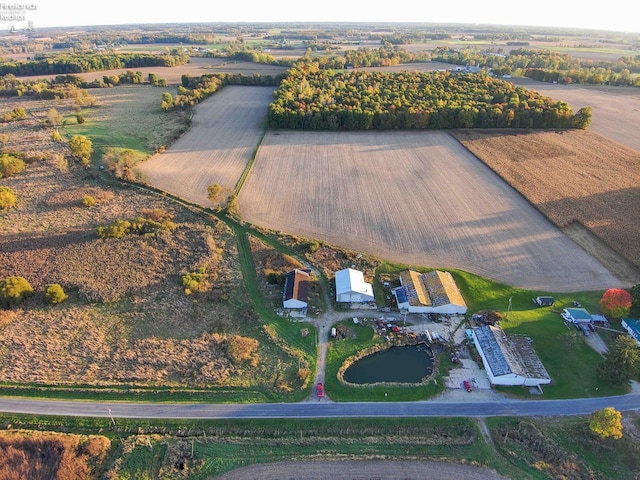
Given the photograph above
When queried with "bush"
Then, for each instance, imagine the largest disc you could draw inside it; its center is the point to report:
(14, 290)
(54, 293)
(8, 199)
(88, 201)
(195, 281)
(10, 165)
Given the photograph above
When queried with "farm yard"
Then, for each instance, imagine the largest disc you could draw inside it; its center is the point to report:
(413, 197)
(224, 134)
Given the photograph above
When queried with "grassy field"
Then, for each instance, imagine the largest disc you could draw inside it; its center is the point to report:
(127, 117)
(528, 449)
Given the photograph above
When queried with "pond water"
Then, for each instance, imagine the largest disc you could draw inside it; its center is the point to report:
(407, 364)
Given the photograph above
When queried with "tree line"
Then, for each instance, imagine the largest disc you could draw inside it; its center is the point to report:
(90, 62)
(196, 89)
(314, 99)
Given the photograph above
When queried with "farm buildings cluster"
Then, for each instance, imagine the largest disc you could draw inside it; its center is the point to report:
(507, 359)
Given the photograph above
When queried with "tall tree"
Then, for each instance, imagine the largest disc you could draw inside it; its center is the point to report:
(606, 423)
(622, 362)
(616, 303)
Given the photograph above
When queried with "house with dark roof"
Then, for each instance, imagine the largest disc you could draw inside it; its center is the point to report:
(296, 289)
(432, 292)
(509, 359)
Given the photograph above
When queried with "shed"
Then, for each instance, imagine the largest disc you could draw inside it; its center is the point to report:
(544, 301)
(296, 289)
(351, 287)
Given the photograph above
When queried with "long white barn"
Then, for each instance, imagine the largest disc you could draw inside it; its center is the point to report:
(509, 359)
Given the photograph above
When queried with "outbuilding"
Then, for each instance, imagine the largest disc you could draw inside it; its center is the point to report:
(544, 301)
(432, 292)
(509, 359)
(577, 315)
(296, 289)
(351, 287)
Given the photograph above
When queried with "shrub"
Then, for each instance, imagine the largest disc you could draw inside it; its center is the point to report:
(10, 165)
(243, 348)
(195, 281)
(14, 290)
(117, 229)
(54, 293)
(8, 199)
(88, 201)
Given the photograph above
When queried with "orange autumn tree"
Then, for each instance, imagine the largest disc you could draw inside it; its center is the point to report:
(616, 303)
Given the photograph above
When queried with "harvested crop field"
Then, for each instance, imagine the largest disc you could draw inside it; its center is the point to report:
(356, 470)
(216, 149)
(575, 176)
(616, 110)
(414, 197)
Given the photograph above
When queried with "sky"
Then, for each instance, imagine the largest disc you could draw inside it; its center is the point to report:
(615, 15)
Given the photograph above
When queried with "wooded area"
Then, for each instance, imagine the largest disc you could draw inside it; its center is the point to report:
(313, 99)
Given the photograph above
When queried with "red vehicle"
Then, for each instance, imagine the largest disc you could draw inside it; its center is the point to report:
(467, 386)
(320, 390)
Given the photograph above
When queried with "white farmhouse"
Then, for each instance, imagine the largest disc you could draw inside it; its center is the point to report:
(431, 292)
(351, 287)
(509, 359)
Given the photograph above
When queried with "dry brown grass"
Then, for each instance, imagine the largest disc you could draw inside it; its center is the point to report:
(51, 456)
(575, 176)
(149, 332)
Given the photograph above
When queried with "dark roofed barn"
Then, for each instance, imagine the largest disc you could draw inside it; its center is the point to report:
(296, 289)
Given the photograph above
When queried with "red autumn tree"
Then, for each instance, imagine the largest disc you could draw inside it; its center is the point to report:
(616, 303)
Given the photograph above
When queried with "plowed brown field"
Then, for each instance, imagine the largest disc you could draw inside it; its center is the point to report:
(571, 177)
(419, 198)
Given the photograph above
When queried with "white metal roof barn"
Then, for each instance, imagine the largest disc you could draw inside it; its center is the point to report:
(351, 287)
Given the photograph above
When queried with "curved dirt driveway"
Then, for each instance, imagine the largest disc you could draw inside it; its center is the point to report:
(362, 470)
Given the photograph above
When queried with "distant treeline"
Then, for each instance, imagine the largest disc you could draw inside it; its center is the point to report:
(546, 65)
(65, 86)
(89, 62)
(314, 99)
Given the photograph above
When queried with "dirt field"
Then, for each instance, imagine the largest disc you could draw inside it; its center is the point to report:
(572, 177)
(362, 470)
(225, 132)
(413, 197)
(616, 111)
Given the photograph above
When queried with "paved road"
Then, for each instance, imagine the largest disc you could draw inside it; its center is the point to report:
(321, 409)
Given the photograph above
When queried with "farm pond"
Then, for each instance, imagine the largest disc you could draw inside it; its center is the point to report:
(402, 364)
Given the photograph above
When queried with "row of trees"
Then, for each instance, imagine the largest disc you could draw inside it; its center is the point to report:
(196, 89)
(310, 98)
(90, 62)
